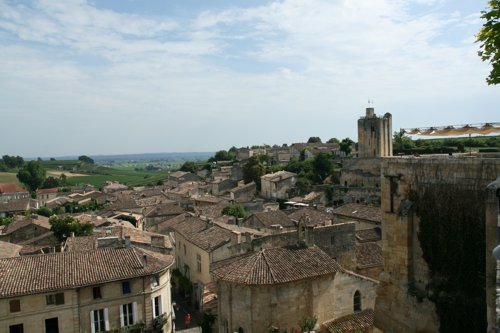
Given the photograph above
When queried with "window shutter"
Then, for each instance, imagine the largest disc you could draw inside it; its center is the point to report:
(92, 327)
(106, 319)
(134, 312)
(122, 321)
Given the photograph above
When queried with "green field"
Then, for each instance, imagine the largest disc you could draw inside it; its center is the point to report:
(97, 175)
(8, 177)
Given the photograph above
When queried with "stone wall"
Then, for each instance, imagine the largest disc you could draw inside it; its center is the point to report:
(361, 172)
(405, 272)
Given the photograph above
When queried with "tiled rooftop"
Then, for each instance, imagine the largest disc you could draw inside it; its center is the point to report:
(274, 217)
(368, 255)
(11, 188)
(275, 265)
(316, 216)
(369, 235)
(65, 270)
(23, 221)
(202, 234)
(359, 211)
(356, 322)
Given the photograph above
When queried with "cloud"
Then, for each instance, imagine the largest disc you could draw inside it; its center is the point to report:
(282, 71)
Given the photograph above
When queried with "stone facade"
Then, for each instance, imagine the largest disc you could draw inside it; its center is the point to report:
(374, 135)
(254, 308)
(404, 268)
(71, 309)
(276, 185)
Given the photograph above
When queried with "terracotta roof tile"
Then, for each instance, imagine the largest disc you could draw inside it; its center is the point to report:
(317, 216)
(355, 322)
(369, 235)
(275, 265)
(274, 217)
(202, 234)
(9, 250)
(65, 270)
(11, 188)
(23, 221)
(368, 255)
(360, 212)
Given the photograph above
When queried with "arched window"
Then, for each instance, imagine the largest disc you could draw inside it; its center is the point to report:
(357, 301)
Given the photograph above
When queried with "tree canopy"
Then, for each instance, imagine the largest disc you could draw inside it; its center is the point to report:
(12, 161)
(314, 139)
(85, 159)
(253, 170)
(189, 166)
(346, 145)
(489, 37)
(32, 174)
(62, 227)
(237, 211)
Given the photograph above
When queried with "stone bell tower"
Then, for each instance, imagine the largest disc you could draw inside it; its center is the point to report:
(374, 134)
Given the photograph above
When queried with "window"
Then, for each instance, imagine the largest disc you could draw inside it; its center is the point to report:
(99, 320)
(55, 299)
(184, 248)
(332, 239)
(128, 314)
(240, 330)
(96, 292)
(357, 301)
(16, 328)
(15, 305)
(157, 306)
(155, 280)
(126, 287)
(198, 262)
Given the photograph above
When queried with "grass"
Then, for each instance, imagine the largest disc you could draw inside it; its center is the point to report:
(98, 175)
(8, 177)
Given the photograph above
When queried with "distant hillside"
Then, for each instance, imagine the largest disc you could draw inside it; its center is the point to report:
(194, 156)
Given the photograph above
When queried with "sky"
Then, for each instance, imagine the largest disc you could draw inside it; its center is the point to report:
(139, 76)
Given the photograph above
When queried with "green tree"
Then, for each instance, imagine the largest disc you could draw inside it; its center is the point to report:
(44, 211)
(314, 139)
(402, 142)
(489, 37)
(333, 140)
(322, 167)
(32, 174)
(346, 146)
(189, 166)
(50, 182)
(85, 159)
(13, 161)
(307, 323)
(62, 227)
(253, 170)
(237, 211)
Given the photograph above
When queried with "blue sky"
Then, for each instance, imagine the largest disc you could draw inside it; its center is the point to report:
(113, 77)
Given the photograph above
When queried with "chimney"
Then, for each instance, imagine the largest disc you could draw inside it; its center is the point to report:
(72, 234)
(127, 241)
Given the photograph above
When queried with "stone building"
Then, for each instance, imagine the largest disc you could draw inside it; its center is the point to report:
(92, 291)
(270, 222)
(276, 185)
(9, 191)
(23, 228)
(280, 286)
(407, 285)
(374, 135)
